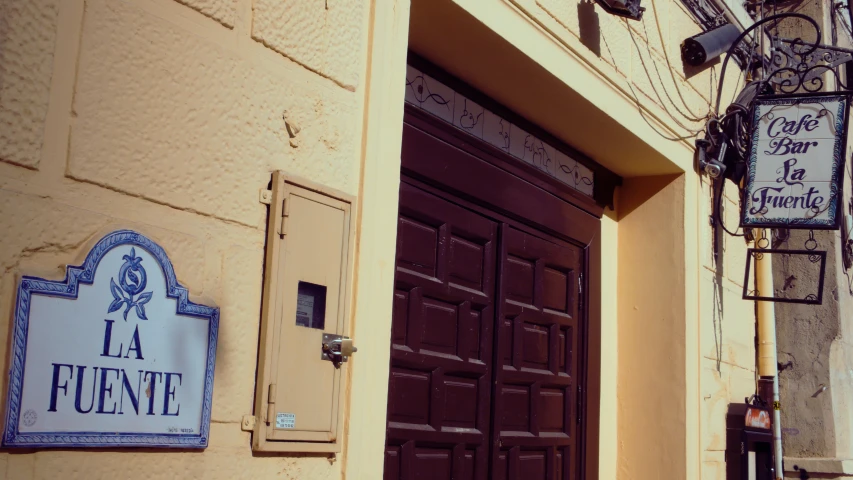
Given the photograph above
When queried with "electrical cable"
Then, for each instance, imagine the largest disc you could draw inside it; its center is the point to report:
(652, 83)
(718, 207)
(688, 117)
(847, 21)
(739, 79)
(693, 134)
(772, 18)
(669, 64)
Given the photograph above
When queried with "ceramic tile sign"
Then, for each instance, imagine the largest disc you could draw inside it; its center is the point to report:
(115, 355)
(796, 162)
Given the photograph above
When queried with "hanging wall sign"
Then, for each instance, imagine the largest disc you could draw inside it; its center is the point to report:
(113, 356)
(796, 162)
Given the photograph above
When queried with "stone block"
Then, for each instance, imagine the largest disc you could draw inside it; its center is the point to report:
(187, 253)
(736, 247)
(616, 45)
(643, 74)
(228, 435)
(738, 329)
(654, 26)
(38, 234)
(168, 116)
(39, 238)
(44, 236)
(742, 384)
(693, 95)
(652, 76)
(693, 102)
(709, 316)
(565, 13)
(607, 36)
(239, 324)
(681, 100)
(223, 11)
(732, 84)
(323, 35)
(713, 466)
(731, 191)
(235, 463)
(20, 466)
(727, 322)
(703, 81)
(213, 270)
(681, 25)
(27, 39)
(706, 229)
(713, 387)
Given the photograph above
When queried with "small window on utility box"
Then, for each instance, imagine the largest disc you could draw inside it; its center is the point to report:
(311, 305)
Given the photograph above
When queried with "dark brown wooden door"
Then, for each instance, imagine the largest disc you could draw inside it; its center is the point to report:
(536, 369)
(491, 319)
(439, 387)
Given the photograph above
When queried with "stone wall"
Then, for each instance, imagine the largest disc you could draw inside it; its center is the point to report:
(816, 340)
(169, 117)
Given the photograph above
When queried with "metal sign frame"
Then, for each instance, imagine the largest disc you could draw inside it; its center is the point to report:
(813, 255)
(30, 286)
(838, 161)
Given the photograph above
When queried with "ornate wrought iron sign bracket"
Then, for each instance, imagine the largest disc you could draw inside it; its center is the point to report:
(791, 291)
(783, 142)
(796, 65)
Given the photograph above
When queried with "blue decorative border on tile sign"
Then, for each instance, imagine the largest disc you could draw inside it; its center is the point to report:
(838, 160)
(85, 274)
(432, 96)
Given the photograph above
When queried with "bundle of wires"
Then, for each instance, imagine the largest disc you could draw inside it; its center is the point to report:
(732, 130)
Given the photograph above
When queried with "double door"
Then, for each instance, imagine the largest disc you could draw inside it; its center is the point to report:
(485, 357)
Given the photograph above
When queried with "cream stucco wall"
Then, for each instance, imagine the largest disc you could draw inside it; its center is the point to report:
(168, 117)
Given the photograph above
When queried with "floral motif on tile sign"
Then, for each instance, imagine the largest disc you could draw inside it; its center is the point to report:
(443, 102)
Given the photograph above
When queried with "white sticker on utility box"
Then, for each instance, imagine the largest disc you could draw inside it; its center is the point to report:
(285, 420)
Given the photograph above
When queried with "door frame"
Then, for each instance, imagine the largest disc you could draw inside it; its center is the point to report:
(577, 220)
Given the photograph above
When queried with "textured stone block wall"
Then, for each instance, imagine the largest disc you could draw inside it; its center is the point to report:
(27, 38)
(168, 117)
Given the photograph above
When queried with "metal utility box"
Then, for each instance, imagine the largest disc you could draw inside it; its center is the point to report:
(304, 348)
(749, 443)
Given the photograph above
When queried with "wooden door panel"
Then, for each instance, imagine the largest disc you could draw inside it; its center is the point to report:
(535, 387)
(429, 463)
(533, 464)
(439, 383)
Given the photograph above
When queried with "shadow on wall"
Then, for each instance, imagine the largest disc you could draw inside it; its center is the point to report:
(719, 238)
(652, 314)
(636, 191)
(590, 36)
(590, 29)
